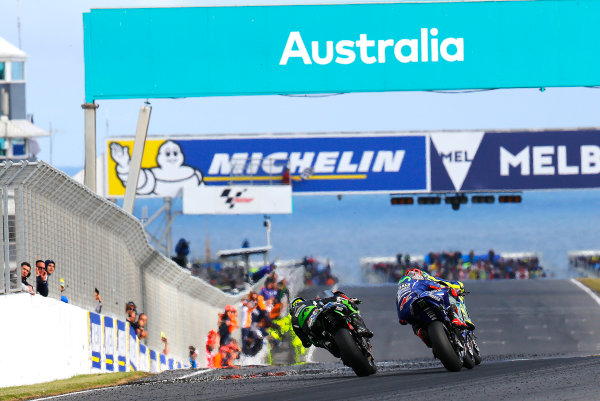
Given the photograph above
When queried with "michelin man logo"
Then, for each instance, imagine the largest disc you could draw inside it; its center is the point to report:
(167, 179)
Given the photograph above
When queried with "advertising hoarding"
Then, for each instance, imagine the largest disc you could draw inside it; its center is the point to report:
(515, 160)
(447, 161)
(319, 163)
(258, 50)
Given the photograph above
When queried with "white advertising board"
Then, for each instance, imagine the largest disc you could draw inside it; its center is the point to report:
(238, 199)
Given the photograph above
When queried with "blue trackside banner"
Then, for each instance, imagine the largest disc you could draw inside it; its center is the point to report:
(448, 161)
(327, 163)
(526, 160)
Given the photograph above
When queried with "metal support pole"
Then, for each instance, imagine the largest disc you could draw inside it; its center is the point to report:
(136, 158)
(89, 174)
(168, 228)
(6, 241)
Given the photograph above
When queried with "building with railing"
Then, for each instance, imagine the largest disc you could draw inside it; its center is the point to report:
(17, 131)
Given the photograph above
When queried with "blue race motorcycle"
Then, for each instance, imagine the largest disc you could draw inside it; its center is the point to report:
(430, 312)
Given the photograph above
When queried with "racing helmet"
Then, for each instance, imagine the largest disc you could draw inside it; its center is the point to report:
(415, 274)
(296, 302)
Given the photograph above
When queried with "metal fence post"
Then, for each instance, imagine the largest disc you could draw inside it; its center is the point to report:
(6, 238)
(19, 227)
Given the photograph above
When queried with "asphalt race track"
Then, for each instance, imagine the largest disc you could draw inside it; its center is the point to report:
(538, 339)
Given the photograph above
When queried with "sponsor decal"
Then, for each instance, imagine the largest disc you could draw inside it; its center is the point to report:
(457, 151)
(311, 319)
(316, 163)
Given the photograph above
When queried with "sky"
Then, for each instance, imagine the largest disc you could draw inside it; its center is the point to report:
(52, 36)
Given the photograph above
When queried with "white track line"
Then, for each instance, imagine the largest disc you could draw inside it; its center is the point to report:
(587, 290)
(74, 393)
(108, 388)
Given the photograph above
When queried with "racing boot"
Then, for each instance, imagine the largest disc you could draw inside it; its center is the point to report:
(360, 327)
(454, 316)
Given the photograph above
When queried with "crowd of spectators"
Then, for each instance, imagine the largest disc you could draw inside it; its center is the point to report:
(588, 261)
(459, 266)
(317, 272)
(259, 312)
(43, 271)
(224, 276)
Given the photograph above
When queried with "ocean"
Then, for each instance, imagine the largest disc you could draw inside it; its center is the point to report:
(548, 222)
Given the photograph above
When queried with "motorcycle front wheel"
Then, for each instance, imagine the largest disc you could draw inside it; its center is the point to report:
(352, 355)
(442, 348)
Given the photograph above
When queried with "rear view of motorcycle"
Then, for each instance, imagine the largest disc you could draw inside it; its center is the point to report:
(436, 320)
(333, 327)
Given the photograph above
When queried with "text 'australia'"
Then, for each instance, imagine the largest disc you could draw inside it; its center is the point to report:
(428, 48)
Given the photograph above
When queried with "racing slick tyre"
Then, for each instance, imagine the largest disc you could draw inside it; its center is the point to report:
(476, 356)
(468, 361)
(442, 349)
(352, 355)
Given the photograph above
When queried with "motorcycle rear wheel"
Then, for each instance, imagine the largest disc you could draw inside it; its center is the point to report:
(352, 355)
(442, 348)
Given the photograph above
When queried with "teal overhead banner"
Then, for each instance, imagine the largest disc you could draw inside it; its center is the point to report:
(255, 50)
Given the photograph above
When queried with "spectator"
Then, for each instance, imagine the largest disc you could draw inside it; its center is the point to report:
(285, 178)
(193, 356)
(62, 288)
(211, 345)
(141, 326)
(220, 360)
(263, 271)
(41, 279)
(131, 318)
(163, 338)
(130, 306)
(227, 323)
(25, 273)
(182, 250)
(50, 266)
(269, 291)
(98, 300)
(233, 353)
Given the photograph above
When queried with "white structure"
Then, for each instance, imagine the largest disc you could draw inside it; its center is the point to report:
(17, 132)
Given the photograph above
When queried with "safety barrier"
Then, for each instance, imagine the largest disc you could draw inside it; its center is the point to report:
(45, 339)
(95, 244)
(114, 347)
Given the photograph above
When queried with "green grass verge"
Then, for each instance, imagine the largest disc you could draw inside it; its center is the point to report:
(593, 283)
(76, 383)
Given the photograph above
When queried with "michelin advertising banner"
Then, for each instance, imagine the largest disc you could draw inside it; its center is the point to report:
(327, 163)
(222, 175)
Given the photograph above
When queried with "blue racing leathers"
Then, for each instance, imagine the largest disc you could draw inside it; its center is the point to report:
(409, 290)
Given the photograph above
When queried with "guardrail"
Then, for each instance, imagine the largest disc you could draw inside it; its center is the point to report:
(95, 244)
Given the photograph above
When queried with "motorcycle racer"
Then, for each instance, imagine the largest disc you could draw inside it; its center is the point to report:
(413, 284)
(304, 312)
(460, 288)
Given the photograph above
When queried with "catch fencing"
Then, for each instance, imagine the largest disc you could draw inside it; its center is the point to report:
(95, 244)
